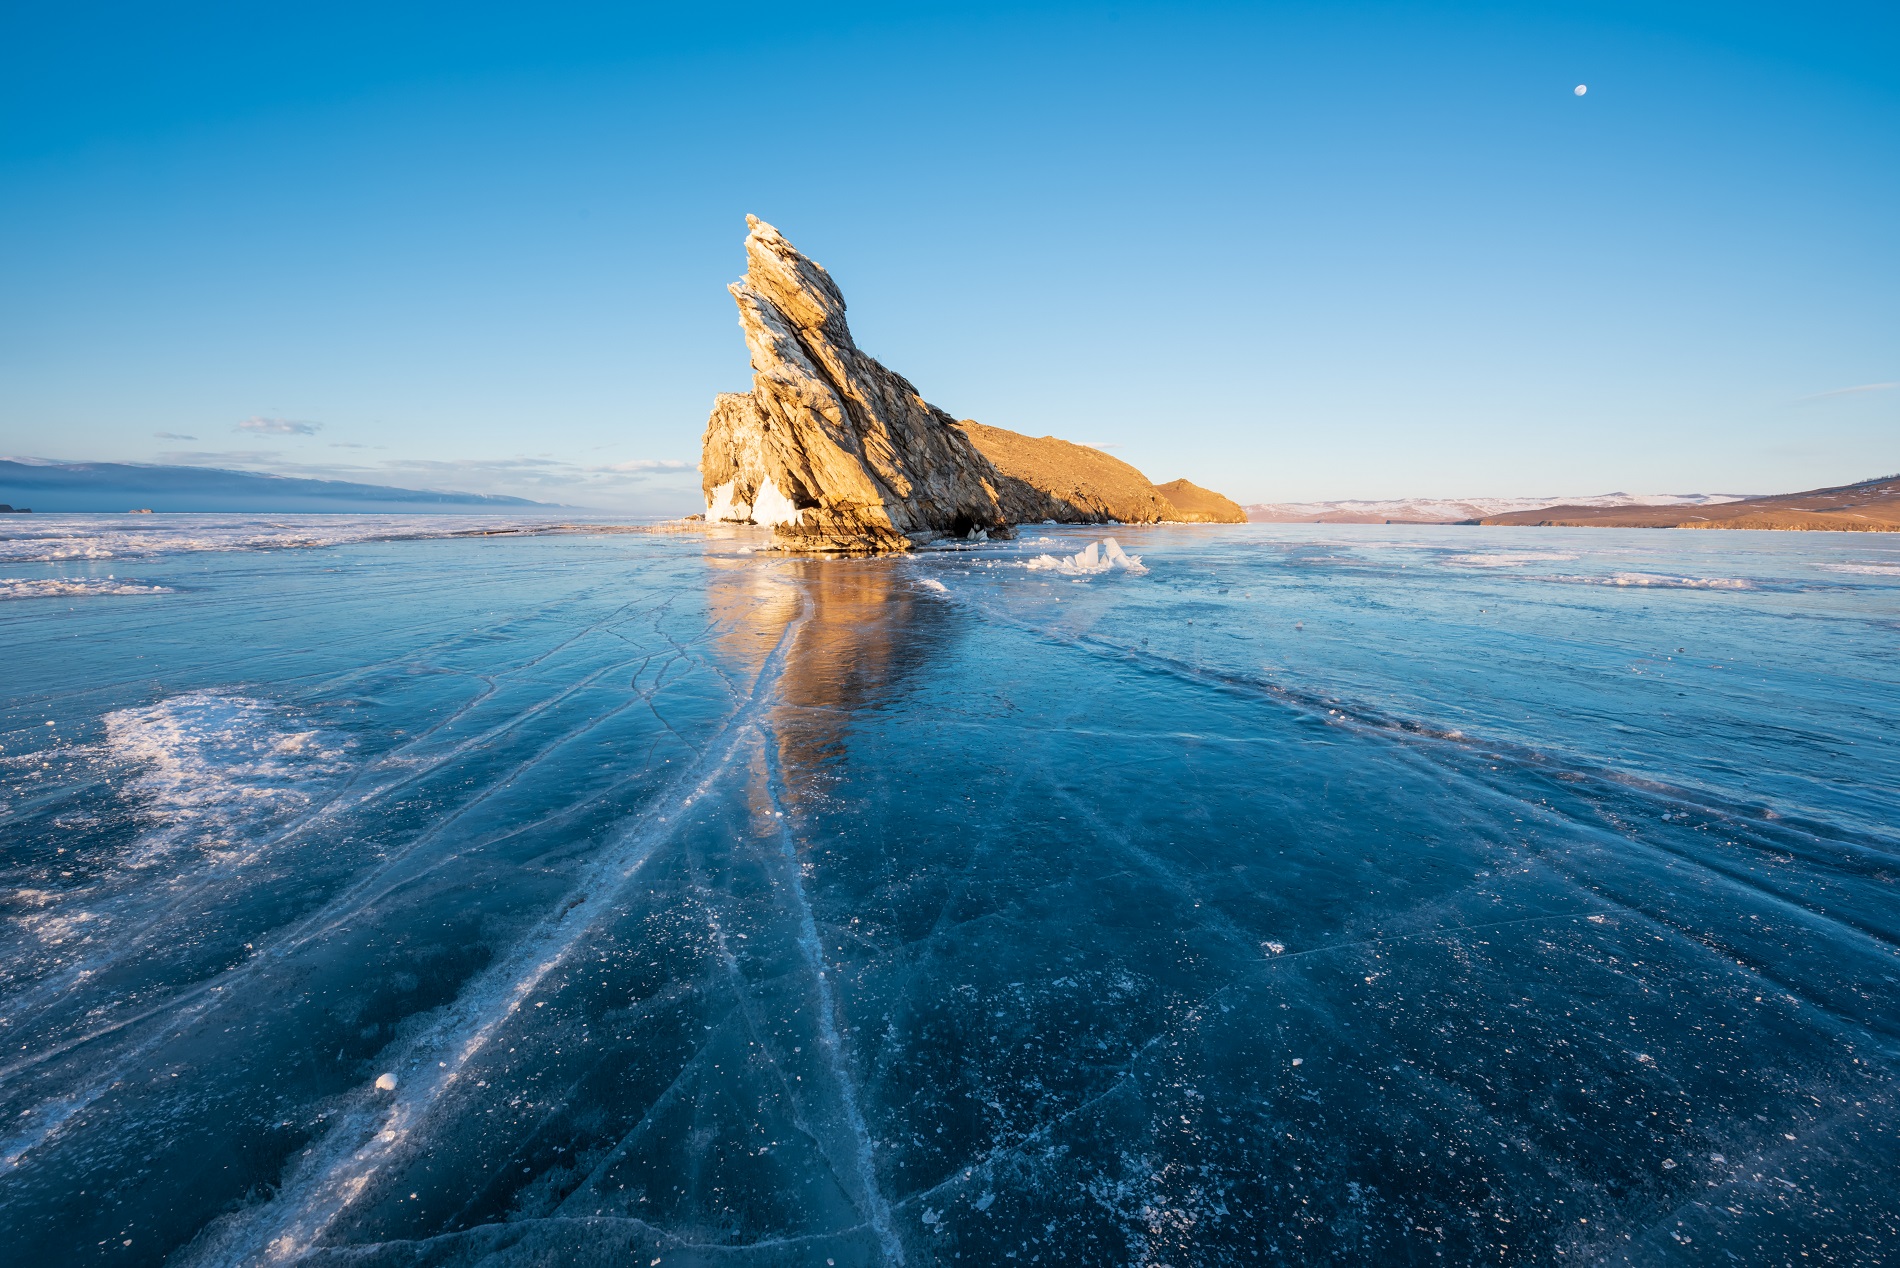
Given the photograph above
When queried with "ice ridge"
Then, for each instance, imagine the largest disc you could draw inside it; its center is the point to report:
(1092, 560)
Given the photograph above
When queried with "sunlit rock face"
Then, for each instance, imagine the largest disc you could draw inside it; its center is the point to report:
(1194, 505)
(833, 450)
(1046, 478)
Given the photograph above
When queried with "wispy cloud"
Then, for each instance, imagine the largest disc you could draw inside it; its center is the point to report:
(645, 464)
(172, 435)
(279, 427)
(345, 444)
(1859, 390)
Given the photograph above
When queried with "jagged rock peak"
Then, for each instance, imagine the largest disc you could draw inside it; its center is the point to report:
(835, 451)
(842, 455)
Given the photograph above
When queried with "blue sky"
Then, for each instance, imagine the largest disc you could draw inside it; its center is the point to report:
(1291, 251)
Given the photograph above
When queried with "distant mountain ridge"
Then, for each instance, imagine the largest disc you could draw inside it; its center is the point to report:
(107, 487)
(1457, 510)
(1869, 506)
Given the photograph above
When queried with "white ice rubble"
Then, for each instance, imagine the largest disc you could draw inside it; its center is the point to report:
(1091, 560)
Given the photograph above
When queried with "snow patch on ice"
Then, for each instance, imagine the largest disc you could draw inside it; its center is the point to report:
(218, 770)
(1507, 559)
(1871, 570)
(70, 587)
(1091, 560)
(1656, 580)
(54, 538)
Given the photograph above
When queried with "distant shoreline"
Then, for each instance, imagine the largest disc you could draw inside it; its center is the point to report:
(1869, 506)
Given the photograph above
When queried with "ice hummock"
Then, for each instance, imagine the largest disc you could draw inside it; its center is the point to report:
(1092, 560)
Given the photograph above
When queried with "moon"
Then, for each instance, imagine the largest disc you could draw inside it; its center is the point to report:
(1581, 89)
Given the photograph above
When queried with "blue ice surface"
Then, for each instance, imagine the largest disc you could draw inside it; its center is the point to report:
(1320, 894)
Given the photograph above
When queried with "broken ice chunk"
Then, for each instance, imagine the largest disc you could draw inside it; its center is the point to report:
(1096, 557)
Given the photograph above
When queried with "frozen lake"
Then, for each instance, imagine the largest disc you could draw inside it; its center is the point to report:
(1280, 893)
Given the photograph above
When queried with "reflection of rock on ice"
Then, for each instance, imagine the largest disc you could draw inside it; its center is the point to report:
(1094, 558)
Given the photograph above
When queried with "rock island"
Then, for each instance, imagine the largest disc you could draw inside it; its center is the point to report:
(841, 455)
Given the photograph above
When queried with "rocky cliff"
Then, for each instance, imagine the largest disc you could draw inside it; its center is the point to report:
(839, 454)
(835, 451)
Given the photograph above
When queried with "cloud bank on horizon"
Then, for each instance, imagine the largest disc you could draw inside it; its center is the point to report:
(623, 486)
(1367, 251)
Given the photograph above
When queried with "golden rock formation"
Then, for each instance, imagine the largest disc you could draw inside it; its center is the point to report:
(841, 455)
(1195, 505)
(836, 452)
(1049, 479)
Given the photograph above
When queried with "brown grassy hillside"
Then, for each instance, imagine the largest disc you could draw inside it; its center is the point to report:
(1196, 505)
(1069, 483)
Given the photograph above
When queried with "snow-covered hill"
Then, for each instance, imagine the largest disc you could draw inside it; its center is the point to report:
(1453, 510)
